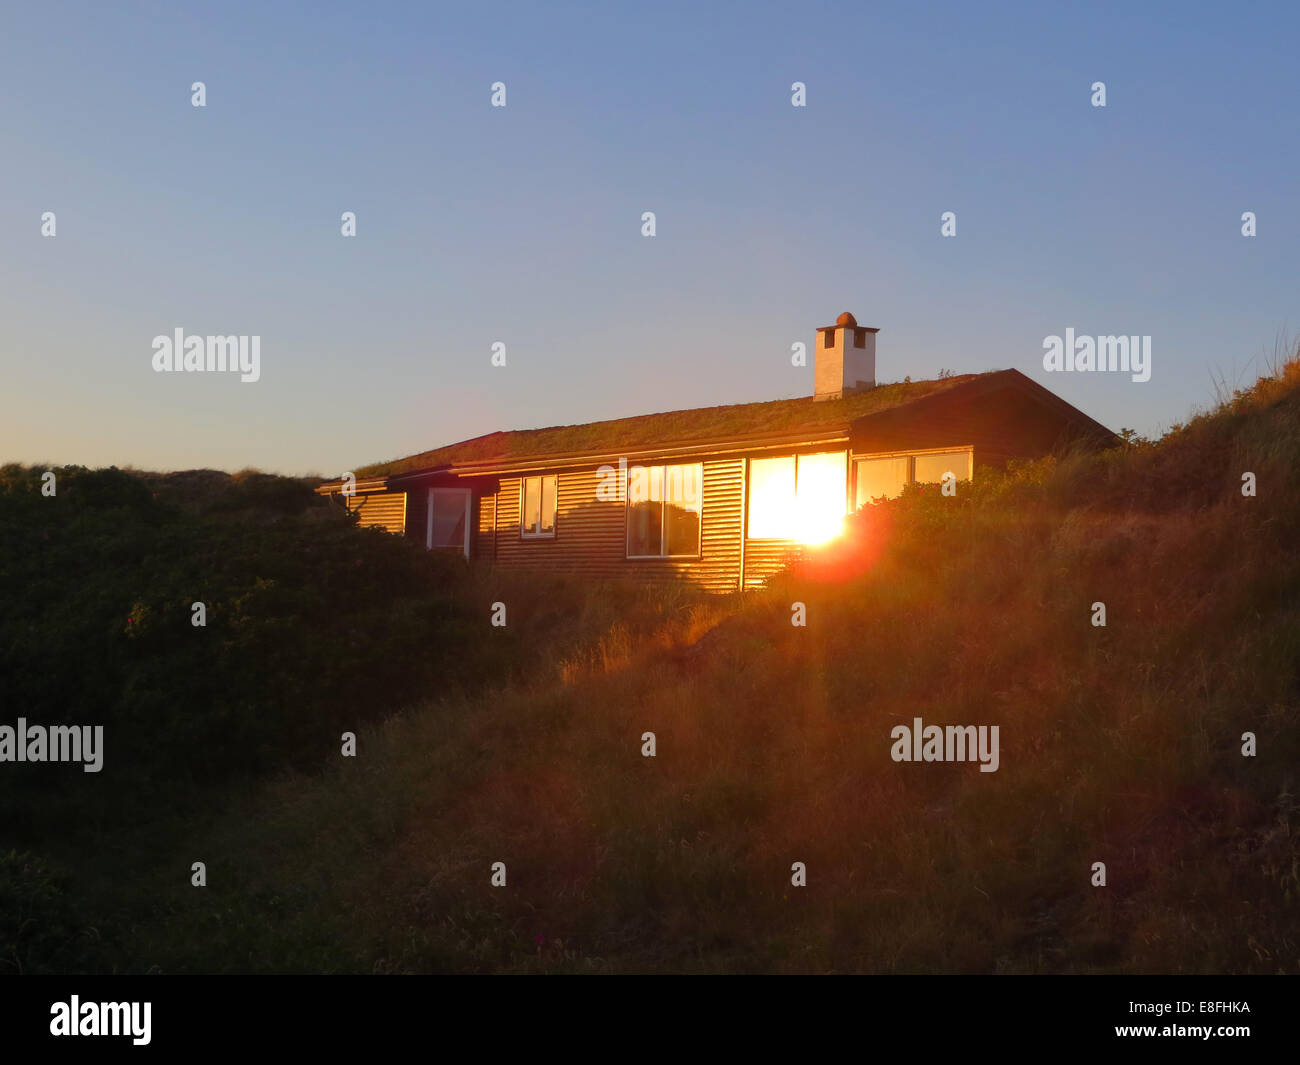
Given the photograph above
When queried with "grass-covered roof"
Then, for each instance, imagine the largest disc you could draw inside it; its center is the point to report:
(660, 430)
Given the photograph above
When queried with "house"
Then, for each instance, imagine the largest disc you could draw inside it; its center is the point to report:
(721, 496)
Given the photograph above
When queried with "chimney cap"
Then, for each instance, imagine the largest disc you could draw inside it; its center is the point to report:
(846, 319)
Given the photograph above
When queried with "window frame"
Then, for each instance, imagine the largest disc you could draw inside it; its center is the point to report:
(663, 524)
(541, 497)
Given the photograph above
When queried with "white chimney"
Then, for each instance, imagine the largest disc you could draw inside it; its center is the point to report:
(844, 358)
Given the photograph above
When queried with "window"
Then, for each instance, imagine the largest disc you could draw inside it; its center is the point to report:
(882, 477)
(537, 507)
(797, 497)
(929, 469)
(771, 497)
(885, 477)
(663, 511)
(448, 520)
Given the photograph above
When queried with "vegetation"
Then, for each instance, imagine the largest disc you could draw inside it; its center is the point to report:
(670, 427)
(522, 745)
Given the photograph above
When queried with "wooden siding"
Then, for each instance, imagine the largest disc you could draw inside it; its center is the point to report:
(485, 537)
(590, 533)
(723, 521)
(385, 509)
(764, 558)
(417, 515)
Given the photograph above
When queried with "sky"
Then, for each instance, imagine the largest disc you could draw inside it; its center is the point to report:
(522, 225)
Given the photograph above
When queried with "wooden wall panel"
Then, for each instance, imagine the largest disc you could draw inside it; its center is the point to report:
(590, 533)
(719, 566)
(484, 547)
(763, 558)
(385, 509)
(417, 515)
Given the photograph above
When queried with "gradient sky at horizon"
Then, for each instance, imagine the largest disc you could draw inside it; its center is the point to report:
(523, 224)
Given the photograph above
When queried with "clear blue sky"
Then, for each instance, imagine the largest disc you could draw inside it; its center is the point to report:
(523, 225)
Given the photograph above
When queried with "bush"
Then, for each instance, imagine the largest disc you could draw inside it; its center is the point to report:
(313, 627)
(39, 931)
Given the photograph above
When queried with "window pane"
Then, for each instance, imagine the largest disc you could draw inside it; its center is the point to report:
(645, 483)
(644, 528)
(880, 477)
(682, 510)
(532, 504)
(645, 510)
(448, 519)
(931, 468)
(548, 504)
(771, 498)
(820, 496)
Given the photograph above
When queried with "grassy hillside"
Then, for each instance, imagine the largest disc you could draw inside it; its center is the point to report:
(305, 616)
(1119, 744)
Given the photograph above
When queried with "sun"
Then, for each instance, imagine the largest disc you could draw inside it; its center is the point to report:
(815, 529)
(819, 515)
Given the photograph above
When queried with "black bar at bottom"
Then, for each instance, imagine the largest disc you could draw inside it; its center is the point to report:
(593, 1016)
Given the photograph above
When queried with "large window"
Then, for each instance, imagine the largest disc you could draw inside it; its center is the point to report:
(885, 477)
(663, 511)
(797, 497)
(537, 508)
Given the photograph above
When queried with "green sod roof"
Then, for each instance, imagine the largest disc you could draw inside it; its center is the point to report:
(702, 424)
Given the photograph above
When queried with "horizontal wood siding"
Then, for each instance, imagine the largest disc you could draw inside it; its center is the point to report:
(590, 533)
(763, 558)
(385, 509)
(719, 567)
(484, 540)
